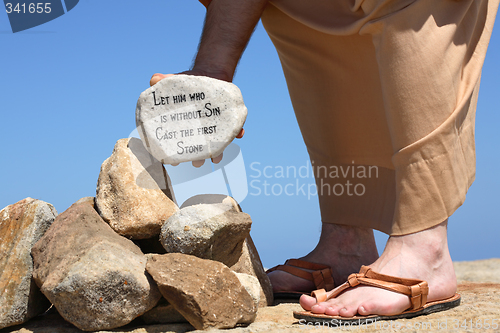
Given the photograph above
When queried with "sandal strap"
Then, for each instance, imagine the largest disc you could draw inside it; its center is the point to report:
(323, 279)
(416, 290)
(321, 275)
(305, 264)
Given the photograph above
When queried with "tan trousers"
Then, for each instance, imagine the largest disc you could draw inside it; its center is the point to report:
(385, 95)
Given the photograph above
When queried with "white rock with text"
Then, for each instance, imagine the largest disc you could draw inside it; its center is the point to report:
(186, 118)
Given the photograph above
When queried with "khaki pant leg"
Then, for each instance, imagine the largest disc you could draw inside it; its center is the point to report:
(430, 56)
(335, 90)
(400, 96)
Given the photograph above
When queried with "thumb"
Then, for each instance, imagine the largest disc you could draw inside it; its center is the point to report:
(157, 77)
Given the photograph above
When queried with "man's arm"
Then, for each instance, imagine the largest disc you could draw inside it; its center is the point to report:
(229, 24)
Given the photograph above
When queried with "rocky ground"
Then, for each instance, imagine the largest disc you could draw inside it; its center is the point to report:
(479, 286)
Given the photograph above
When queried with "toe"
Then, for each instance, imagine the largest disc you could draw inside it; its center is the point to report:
(319, 308)
(364, 310)
(307, 302)
(332, 310)
(390, 307)
(348, 311)
(368, 308)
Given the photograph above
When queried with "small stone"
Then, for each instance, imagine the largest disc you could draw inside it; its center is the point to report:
(216, 232)
(94, 277)
(134, 192)
(21, 226)
(205, 292)
(187, 118)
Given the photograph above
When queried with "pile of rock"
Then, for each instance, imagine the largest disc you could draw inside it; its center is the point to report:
(108, 260)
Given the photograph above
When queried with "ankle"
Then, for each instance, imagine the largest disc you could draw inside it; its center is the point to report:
(346, 240)
(432, 242)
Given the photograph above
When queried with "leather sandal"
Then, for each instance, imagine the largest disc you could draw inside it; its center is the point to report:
(320, 275)
(416, 290)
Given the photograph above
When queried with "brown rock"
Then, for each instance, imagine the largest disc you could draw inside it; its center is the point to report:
(134, 192)
(21, 226)
(249, 263)
(249, 260)
(251, 285)
(94, 277)
(88, 200)
(205, 292)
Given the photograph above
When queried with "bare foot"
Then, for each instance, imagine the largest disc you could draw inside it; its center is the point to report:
(345, 249)
(423, 255)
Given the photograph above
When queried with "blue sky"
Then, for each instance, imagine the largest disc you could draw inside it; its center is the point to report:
(69, 88)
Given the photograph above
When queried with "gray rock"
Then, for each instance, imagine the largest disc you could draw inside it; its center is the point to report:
(21, 226)
(205, 292)
(251, 285)
(95, 278)
(211, 199)
(186, 118)
(134, 192)
(249, 260)
(209, 231)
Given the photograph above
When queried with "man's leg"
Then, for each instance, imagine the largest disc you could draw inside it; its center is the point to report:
(334, 87)
(430, 56)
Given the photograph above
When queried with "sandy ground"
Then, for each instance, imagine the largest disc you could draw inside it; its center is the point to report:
(479, 286)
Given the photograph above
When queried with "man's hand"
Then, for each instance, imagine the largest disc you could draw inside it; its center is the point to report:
(157, 77)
